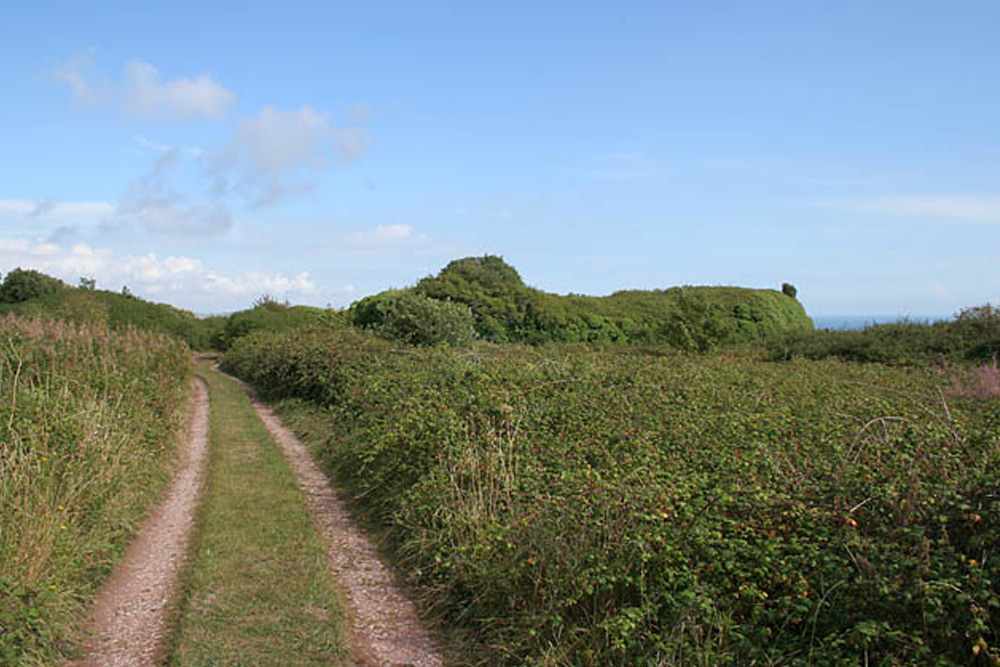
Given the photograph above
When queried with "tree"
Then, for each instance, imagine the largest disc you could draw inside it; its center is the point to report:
(89, 284)
(788, 289)
(24, 284)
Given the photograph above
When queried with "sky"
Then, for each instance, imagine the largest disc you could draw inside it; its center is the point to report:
(205, 154)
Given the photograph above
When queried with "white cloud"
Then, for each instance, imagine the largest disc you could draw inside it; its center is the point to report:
(76, 72)
(272, 153)
(384, 238)
(144, 94)
(49, 209)
(163, 148)
(970, 208)
(150, 204)
(180, 280)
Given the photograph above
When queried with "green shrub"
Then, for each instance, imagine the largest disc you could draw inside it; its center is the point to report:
(414, 319)
(573, 506)
(270, 315)
(507, 310)
(973, 335)
(24, 284)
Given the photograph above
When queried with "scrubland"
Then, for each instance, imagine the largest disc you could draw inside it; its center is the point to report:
(88, 423)
(568, 505)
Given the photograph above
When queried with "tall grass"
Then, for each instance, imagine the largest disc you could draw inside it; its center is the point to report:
(88, 427)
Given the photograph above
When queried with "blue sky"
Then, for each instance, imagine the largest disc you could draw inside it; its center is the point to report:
(204, 154)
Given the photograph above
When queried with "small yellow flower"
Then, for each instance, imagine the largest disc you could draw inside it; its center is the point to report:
(62, 527)
(45, 459)
(61, 508)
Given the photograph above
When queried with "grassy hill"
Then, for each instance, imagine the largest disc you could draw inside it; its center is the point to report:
(505, 309)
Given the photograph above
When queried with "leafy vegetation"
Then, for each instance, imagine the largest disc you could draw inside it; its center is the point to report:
(47, 297)
(88, 420)
(973, 335)
(506, 310)
(576, 506)
(414, 319)
(268, 314)
(21, 285)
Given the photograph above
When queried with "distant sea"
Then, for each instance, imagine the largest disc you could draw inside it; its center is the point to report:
(846, 322)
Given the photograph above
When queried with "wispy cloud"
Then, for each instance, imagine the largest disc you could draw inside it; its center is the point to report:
(162, 148)
(61, 211)
(273, 154)
(77, 72)
(967, 208)
(149, 203)
(384, 239)
(146, 95)
(142, 92)
(624, 166)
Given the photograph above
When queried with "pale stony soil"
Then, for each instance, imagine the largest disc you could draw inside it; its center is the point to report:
(385, 627)
(127, 623)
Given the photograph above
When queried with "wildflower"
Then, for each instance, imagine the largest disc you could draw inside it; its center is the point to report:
(62, 526)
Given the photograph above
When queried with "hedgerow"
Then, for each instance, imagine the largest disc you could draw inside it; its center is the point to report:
(572, 506)
(88, 427)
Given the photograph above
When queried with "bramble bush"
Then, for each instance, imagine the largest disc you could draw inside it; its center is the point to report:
(572, 506)
(414, 319)
(88, 422)
(973, 335)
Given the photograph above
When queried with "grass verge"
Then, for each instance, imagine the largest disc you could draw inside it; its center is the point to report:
(89, 420)
(256, 589)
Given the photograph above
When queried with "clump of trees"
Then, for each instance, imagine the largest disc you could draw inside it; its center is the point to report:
(25, 284)
(505, 310)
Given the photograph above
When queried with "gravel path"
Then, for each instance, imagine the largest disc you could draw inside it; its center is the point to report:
(385, 627)
(127, 624)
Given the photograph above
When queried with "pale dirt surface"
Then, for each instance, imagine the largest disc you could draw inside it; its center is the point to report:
(127, 623)
(385, 627)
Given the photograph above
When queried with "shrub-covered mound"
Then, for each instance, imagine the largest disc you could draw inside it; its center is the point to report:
(507, 310)
(270, 315)
(88, 427)
(32, 294)
(572, 506)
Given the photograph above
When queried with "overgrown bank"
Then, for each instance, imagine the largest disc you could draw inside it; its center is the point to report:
(88, 426)
(583, 507)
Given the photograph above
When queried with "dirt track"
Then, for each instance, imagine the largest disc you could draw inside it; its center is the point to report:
(127, 624)
(385, 627)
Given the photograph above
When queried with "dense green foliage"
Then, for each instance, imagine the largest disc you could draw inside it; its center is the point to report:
(974, 335)
(270, 315)
(24, 284)
(115, 311)
(88, 419)
(572, 506)
(414, 319)
(506, 310)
